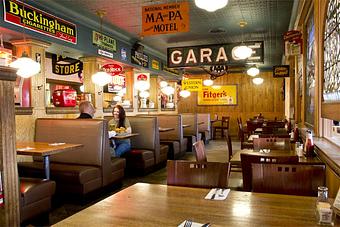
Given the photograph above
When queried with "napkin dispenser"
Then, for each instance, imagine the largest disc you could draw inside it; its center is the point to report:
(64, 98)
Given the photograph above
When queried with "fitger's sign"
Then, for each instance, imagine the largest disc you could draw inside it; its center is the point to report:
(23, 15)
(218, 54)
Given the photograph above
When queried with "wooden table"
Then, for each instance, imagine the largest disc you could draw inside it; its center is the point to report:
(45, 150)
(124, 136)
(161, 129)
(236, 159)
(161, 205)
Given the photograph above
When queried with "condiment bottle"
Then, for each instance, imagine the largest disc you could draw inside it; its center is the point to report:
(323, 207)
(296, 133)
(309, 145)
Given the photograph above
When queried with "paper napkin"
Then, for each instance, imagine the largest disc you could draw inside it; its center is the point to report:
(220, 194)
(194, 224)
(112, 133)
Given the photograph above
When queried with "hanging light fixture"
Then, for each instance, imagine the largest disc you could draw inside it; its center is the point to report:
(144, 94)
(208, 82)
(101, 78)
(184, 93)
(242, 51)
(258, 80)
(163, 83)
(211, 5)
(168, 90)
(253, 71)
(142, 85)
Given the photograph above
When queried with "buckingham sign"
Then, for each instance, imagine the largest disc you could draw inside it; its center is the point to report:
(23, 15)
(218, 54)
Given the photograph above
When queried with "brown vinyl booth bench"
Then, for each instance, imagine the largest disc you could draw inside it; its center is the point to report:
(84, 169)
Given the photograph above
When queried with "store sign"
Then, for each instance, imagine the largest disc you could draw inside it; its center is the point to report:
(139, 58)
(117, 83)
(105, 53)
(113, 69)
(219, 95)
(218, 54)
(192, 84)
(66, 66)
(155, 64)
(141, 77)
(104, 41)
(281, 71)
(23, 15)
(165, 18)
(293, 43)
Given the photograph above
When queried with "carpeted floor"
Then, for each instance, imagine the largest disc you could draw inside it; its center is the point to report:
(63, 208)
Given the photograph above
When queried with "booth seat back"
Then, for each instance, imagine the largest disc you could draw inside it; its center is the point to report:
(190, 119)
(205, 127)
(148, 138)
(171, 121)
(91, 133)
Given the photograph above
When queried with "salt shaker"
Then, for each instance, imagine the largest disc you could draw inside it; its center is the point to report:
(324, 212)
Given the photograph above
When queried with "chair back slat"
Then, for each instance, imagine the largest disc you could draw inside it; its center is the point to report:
(293, 179)
(200, 151)
(195, 174)
(248, 159)
(229, 144)
(271, 143)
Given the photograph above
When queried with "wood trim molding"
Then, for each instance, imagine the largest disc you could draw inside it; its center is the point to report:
(23, 110)
(7, 73)
(62, 110)
(330, 111)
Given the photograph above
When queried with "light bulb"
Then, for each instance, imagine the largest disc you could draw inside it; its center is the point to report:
(163, 84)
(142, 85)
(208, 82)
(184, 93)
(253, 71)
(101, 78)
(211, 5)
(26, 66)
(168, 90)
(257, 80)
(241, 52)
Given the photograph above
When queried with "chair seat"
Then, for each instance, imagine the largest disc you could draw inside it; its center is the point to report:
(34, 189)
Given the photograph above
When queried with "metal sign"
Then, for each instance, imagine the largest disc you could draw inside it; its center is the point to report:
(281, 71)
(104, 41)
(192, 84)
(217, 54)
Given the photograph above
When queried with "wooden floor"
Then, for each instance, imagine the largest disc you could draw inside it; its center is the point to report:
(216, 151)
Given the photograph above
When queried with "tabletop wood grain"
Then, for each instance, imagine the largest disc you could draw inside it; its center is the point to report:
(161, 205)
(43, 148)
(124, 136)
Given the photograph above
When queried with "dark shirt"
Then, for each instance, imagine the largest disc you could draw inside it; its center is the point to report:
(84, 115)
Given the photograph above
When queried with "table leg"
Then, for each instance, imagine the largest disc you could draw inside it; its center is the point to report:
(47, 166)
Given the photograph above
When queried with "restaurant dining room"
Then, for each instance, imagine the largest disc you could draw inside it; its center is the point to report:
(188, 113)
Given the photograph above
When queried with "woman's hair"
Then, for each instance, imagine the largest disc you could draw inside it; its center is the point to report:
(121, 115)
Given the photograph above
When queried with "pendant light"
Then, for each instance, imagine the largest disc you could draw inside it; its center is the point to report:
(184, 93)
(208, 82)
(211, 5)
(101, 78)
(253, 71)
(25, 65)
(242, 51)
(257, 80)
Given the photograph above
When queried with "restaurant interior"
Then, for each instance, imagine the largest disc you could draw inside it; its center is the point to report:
(231, 113)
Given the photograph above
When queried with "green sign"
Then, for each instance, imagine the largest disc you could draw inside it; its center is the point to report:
(104, 41)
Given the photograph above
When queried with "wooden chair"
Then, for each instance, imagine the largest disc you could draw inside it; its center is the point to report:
(274, 143)
(200, 153)
(248, 159)
(293, 179)
(244, 144)
(252, 125)
(224, 125)
(233, 168)
(195, 174)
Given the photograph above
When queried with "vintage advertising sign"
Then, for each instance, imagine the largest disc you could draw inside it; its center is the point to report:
(23, 15)
(104, 41)
(170, 70)
(219, 95)
(66, 66)
(293, 43)
(218, 54)
(139, 58)
(155, 64)
(165, 18)
(113, 69)
(117, 83)
(192, 84)
(281, 71)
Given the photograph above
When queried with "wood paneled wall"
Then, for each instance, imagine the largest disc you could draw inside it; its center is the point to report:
(267, 98)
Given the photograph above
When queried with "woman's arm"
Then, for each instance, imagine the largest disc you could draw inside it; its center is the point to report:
(128, 130)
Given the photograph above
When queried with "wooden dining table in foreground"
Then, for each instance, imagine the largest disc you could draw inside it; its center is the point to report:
(44, 149)
(161, 205)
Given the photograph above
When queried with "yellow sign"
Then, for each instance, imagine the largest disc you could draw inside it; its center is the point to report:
(165, 18)
(218, 95)
(155, 64)
(192, 84)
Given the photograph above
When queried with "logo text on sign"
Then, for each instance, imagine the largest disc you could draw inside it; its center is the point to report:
(192, 84)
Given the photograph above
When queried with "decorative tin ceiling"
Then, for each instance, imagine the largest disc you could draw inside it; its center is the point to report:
(267, 20)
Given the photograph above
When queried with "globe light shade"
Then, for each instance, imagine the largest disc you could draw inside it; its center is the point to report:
(163, 84)
(142, 85)
(168, 90)
(257, 80)
(253, 71)
(117, 98)
(208, 82)
(82, 88)
(241, 52)
(101, 78)
(26, 67)
(184, 93)
(211, 5)
(144, 94)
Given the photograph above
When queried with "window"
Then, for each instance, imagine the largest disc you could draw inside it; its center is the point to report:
(310, 74)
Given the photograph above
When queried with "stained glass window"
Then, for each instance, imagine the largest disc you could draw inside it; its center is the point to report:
(331, 86)
(310, 73)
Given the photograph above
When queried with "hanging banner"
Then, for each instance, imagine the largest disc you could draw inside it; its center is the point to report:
(218, 95)
(165, 18)
(192, 84)
(23, 15)
(66, 66)
(104, 41)
(217, 54)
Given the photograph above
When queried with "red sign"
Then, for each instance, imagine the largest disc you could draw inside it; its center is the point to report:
(113, 69)
(142, 77)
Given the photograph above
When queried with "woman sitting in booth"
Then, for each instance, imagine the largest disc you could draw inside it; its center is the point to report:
(120, 124)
